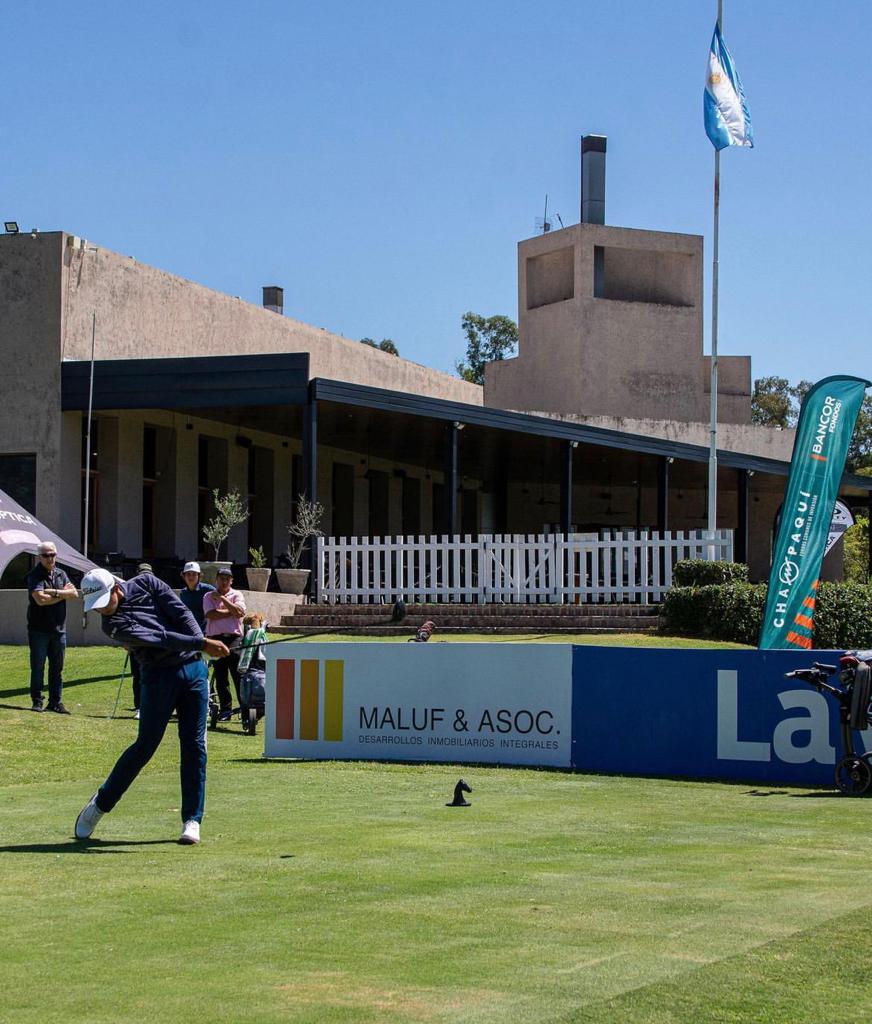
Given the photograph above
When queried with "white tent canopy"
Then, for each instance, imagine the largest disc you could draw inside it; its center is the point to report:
(21, 533)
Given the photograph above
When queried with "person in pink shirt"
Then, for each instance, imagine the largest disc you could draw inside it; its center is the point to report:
(224, 608)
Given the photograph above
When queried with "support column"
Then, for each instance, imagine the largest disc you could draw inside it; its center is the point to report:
(566, 487)
(310, 466)
(310, 447)
(451, 476)
(663, 464)
(740, 547)
(186, 543)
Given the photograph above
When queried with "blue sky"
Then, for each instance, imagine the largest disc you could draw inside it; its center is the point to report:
(381, 161)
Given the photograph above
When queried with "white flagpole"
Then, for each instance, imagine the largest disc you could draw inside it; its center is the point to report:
(88, 450)
(713, 425)
(88, 436)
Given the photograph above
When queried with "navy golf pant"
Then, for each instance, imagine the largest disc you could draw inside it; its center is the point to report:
(184, 689)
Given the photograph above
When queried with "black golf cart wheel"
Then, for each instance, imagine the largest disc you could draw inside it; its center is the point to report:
(252, 721)
(853, 776)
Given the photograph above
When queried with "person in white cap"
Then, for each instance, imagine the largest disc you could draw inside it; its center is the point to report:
(194, 591)
(48, 589)
(147, 617)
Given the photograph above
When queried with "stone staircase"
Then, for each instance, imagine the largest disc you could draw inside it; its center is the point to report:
(375, 619)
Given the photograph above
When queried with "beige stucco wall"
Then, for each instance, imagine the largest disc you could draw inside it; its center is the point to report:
(637, 347)
(143, 312)
(13, 621)
(749, 439)
(31, 291)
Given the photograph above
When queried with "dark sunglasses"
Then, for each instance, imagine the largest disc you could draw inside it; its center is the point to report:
(51, 555)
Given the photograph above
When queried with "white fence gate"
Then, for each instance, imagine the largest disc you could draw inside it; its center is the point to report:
(519, 569)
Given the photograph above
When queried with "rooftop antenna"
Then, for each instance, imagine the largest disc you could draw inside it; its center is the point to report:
(543, 224)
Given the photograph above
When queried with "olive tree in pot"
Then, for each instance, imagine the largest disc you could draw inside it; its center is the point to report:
(230, 511)
(258, 573)
(306, 526)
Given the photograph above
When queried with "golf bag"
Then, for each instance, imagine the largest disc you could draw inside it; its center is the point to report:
(853, 769)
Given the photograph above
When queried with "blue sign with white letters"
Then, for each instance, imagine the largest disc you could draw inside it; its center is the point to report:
(707, 714)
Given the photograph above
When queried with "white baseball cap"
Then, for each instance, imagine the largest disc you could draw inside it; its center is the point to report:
(191, 567)
(97, 586)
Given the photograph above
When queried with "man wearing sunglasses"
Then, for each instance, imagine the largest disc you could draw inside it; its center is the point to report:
(49, 588)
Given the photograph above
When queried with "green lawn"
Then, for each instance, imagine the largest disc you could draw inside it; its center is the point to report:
(349, 892)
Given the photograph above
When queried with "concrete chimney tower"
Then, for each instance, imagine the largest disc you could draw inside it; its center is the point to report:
(593, 179)
(274, 298)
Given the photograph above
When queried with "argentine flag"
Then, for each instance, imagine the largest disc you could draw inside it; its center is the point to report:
(727, 121)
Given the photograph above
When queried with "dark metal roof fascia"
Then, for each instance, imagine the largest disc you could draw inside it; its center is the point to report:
(346, 393)
(187, 382)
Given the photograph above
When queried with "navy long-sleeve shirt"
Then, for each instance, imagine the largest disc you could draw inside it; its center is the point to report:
(153, 623)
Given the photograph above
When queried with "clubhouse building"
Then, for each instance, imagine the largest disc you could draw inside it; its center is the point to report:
(600, 423)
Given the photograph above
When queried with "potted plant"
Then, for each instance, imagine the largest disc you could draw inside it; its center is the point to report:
(258, 573)
(230, 511)
(306, 525)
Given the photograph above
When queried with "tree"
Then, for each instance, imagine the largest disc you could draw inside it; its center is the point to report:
(777, 403)
(860, 449)
(857, 551)
(385, 345)
(230, 511)
(488, 340)
(771, 402)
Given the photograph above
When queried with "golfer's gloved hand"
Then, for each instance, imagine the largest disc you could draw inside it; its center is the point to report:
(215, 648)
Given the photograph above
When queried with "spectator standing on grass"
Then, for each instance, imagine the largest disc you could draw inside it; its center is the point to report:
(146, 617)
(48, 589)
(193, 592)
(225, 609)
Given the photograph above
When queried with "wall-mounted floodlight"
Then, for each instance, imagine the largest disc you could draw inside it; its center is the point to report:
(669, 460)
(458, 425)
(573, 444)
(11, 227)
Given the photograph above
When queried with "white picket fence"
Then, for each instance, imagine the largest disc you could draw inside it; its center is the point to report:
(518, 569)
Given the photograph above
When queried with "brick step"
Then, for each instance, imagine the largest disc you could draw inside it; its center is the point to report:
(488, 629)
(472, 621)
(487, 610)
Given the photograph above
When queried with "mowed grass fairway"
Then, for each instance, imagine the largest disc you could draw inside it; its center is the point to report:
(350, 892)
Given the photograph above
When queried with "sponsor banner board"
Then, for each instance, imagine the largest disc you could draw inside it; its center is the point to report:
(704, 714)
(498, 703)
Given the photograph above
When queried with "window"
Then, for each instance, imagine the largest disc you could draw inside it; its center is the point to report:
(18, 479)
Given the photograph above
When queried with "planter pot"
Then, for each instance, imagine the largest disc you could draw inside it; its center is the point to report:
(209, 570)
(258, 579)
(292, 581)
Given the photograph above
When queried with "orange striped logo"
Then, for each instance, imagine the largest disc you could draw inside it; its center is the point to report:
(798, 641)
(804, 620)
(309, 699)
(820, 458)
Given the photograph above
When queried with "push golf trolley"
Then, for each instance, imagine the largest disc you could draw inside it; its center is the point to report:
(252, 683)
(853, 770)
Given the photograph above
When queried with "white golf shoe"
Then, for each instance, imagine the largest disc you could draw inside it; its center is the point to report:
(88, 818)
(190, 833)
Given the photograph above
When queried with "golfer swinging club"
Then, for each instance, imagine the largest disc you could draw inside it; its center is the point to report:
(145, 616)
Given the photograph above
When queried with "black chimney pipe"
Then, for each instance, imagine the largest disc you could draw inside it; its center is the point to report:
(593, 179)
(274, 298)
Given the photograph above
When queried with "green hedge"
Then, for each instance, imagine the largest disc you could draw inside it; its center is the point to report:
(734, 612)
(698, 572)
(730, 611)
